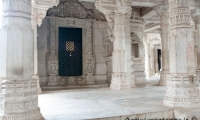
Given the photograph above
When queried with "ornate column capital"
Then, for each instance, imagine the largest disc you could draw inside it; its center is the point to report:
(179, 13)
(16, 8)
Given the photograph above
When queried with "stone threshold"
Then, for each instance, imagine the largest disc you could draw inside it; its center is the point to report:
(65, 87)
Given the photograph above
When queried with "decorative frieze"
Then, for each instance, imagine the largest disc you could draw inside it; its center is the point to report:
(76, 9)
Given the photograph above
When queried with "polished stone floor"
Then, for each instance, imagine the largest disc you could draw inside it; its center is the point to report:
(92, 103)
(100, 102)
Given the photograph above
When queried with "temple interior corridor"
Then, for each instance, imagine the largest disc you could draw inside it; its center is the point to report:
(100, 60)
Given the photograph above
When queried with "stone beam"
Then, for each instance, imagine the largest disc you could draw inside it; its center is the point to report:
(143, 3)
(146, 3)
(152, 28)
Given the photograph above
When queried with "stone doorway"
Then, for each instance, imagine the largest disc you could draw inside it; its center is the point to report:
(70, 52)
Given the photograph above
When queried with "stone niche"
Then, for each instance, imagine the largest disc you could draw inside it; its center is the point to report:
(73, 14)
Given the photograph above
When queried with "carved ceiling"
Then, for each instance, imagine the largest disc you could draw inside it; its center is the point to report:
(148, 11)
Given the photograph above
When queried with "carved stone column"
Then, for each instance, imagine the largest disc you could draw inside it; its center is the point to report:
(18, 93)
(165, 52)
(38, 12)
(152, 59)
(147, 56)
(52, 59)
(128, 48)
(198, 41)
(34, 25)
(116, 14)
(182, 88)
(89, 57)
(155, 53)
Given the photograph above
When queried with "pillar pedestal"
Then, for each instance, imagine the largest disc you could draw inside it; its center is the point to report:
(19, 99)
(90, 79)
(182, 91)
(39, 91)
(119, 82)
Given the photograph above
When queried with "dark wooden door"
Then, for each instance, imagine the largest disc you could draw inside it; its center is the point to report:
(70, 65)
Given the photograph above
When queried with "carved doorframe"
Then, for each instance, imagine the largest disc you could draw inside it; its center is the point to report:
(87, 48)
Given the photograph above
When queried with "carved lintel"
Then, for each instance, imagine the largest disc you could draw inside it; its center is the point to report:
(75, 9)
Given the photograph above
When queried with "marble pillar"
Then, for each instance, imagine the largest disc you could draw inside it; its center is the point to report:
(198, 46)
(152, 61)
(119, 76)
(18, 88)
(128, 47)
(198, 41)
(182, 89)
(165, 52)
(34, 25)
(117, 13)
(139, 65)
(147, 56)
(157, 71)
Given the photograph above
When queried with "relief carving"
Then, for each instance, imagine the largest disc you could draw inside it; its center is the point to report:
(75, 9)
(89, 64)
(135, 38)
(52, 58)
(52, 62)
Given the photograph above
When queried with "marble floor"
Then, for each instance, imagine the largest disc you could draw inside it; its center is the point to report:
(92, 103)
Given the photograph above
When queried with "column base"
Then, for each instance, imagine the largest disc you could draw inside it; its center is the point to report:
(90, 80)
(39, 91)
(119, 82)
(31, 115)
(19, 100)
(120, 86)
(140, 77)
(53, 80)
(132, 81)
(163, 78)
(182, 91)
(180, 104)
